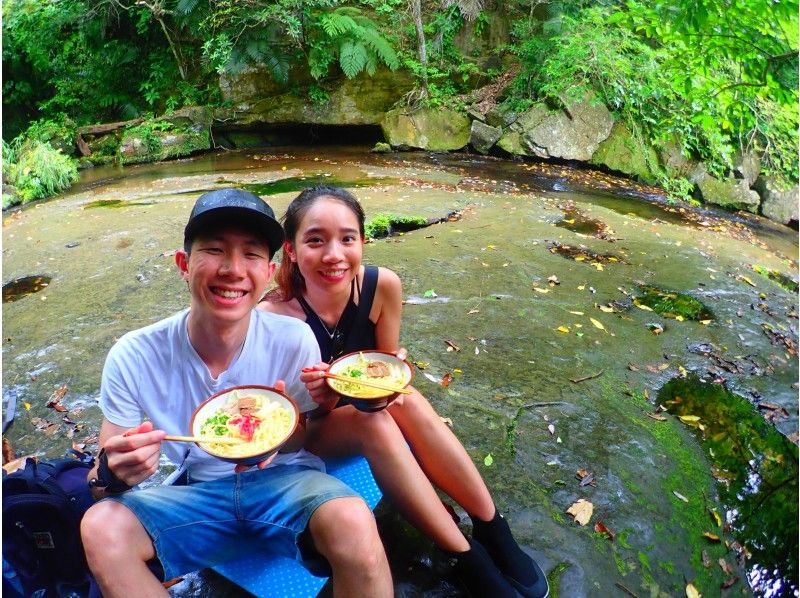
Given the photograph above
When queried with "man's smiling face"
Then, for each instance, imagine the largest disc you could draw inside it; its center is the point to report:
(228, 271)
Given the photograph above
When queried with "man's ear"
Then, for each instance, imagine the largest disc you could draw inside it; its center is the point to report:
(288, 249)
(182, 261)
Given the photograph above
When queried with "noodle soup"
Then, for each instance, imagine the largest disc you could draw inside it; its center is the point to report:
(260, 416)
(370, 366)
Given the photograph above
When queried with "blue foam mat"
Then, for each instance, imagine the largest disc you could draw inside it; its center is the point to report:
(268, 576)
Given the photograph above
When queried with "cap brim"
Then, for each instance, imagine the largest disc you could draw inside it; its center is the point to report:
(267, 227)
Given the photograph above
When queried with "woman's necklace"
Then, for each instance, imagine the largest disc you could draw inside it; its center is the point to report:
(328, 331)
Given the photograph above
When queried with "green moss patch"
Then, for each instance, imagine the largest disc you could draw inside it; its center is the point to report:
(293, 184)
(671, 304)
(757, 470)
(782, 280)
(383, 225)
(115, 203)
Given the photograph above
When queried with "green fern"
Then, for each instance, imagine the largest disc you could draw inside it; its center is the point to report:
(352, 58)
(258, 51)
(352, 37)
(336, 24)
(380, 47)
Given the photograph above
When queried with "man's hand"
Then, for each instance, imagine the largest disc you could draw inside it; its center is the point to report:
(133, 456)
(280, 386)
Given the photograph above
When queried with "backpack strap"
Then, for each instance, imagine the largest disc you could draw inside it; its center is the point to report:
(11, 408)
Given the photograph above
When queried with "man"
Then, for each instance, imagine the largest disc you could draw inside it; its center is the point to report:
(134, 540)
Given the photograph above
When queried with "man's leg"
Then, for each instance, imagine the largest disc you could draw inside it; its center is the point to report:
(117, 550)
(344, 532)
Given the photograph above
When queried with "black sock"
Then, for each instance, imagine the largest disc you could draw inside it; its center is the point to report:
(496, 536)
(479, 574)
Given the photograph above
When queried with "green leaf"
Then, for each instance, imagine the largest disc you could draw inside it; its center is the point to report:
(488, 460)
(352, 58)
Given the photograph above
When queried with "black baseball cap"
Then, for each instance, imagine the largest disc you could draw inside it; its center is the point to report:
(225, 207)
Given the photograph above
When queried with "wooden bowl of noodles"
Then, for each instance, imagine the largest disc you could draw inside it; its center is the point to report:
(377, 366)
(263, 417)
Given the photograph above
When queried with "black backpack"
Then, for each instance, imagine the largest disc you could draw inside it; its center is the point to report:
(43, 503)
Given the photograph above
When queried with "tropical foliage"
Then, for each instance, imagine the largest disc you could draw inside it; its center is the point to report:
(35, 170)
(717, 77)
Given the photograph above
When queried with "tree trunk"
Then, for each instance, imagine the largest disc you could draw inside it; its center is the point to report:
(416, 12)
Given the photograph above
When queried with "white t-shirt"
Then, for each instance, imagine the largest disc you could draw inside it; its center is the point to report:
(155, 371)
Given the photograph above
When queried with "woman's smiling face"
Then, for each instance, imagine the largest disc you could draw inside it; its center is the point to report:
(328, 246)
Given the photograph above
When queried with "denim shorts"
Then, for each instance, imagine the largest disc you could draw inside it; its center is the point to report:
(207, 523)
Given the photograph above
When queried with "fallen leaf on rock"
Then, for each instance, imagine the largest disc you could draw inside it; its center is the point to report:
(597, 324)
(716, 517)
(551, 428)
(446, 379)
(746, 279)
(657, 417)
(600, 528)
(706, 559)
(689, 419)
(27, 406)
(563, 329)
(488, 460)
(452, 346)
(633, 367)
(541, 290)
(710, 536)
(576, 313)
(729, 582)
(680, 496)
(473, 311)
(581, 510)
(553, 280)
(447, 421)
(726, 568)
(691, 591)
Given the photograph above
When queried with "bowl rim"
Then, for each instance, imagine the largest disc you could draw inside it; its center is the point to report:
(330, 381)
(216, 395)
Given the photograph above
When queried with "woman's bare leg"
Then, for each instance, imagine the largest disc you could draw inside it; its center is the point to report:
(441, 455)
(347, 431)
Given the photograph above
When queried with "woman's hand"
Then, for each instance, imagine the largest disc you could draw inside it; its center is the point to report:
(322, 394)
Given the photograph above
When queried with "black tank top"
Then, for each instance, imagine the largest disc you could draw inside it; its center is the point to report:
(354, 331)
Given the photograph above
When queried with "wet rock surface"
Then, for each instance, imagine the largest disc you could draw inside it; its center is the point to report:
(541, 362)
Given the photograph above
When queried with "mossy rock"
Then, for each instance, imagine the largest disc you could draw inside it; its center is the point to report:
(511, 142)
(624, 153)
(732, 194)
(437, 129)
(362, 100)
(146, 145)
(671, 304)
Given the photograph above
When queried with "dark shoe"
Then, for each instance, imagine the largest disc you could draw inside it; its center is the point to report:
(519, 569)
(480, 575)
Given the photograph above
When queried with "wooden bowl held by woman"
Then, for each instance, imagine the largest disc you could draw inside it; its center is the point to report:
(378, 367)
(262, 417)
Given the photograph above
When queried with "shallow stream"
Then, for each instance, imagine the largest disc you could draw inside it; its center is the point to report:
(534, 302)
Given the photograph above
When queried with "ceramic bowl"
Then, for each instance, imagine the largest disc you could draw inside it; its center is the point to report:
(210, 406)
(382, 398)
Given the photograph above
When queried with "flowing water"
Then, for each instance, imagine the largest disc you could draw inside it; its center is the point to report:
(529, 304)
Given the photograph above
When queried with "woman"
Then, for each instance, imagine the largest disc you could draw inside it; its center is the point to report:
(350, 307)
